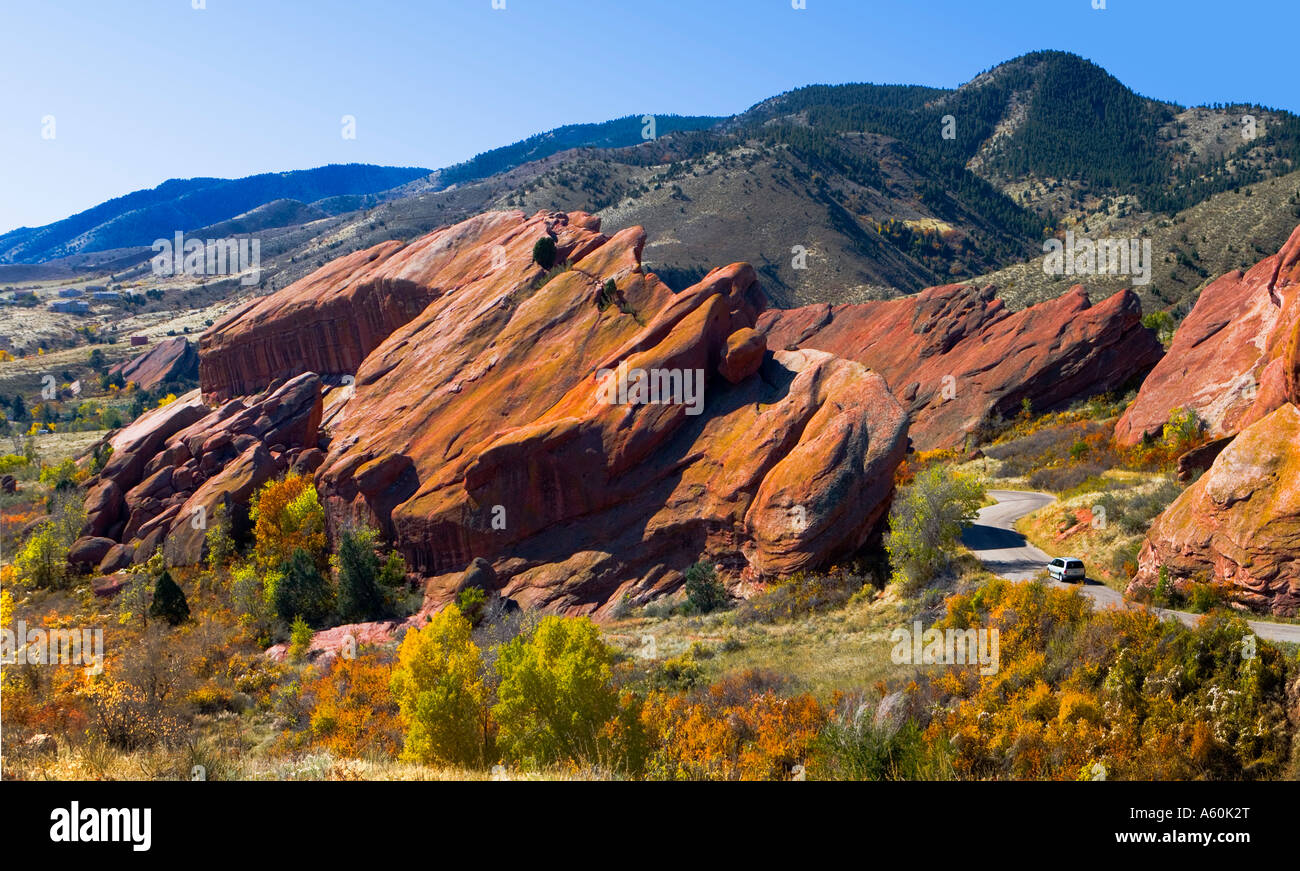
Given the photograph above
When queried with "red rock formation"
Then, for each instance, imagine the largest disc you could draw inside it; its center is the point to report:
(485, 425)
(481, 428)
(169, 360)
(329, 321)
(1239, 523)
(1225, 362)
(956, 356)
(171, 469)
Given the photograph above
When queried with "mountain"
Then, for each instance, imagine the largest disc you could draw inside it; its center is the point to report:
(618, 133)
(840, 193)
(284, 199)
(138, 218)
(847, 193)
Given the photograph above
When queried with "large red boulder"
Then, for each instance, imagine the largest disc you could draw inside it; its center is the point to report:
(87, 551)
(171, 470)
(234, 485)
(956, 356)
(1239, 523)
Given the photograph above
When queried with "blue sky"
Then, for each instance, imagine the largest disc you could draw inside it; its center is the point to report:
(146, 90)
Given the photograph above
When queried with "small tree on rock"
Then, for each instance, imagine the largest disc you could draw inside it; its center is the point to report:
(544, 252)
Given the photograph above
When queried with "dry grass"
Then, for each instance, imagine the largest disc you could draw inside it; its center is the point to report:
(846, 649)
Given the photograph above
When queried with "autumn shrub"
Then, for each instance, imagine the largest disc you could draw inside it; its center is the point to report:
(287, 516)
(764, 736)
(680, 673)
(1144, 698)
(555, 693)
(439, 689)
(1068, 477)
(922, 460)
(800, 595)
(138, 699)
(353, 711)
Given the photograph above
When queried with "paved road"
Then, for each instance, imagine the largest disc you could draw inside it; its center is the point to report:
(1006, 553)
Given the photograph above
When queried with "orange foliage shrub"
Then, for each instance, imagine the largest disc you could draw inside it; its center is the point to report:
(762, 737)
(1143, 698)
(353, 713)
(286, 516)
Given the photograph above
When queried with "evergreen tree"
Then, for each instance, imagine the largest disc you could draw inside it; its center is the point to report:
(169, 601)
(359, 595)
(544, 252)
(302, 590)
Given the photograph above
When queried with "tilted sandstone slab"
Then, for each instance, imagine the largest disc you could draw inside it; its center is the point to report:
(170, 360)
(955, 355)
(328, 321)
(490, 426)
(1226, 359)
(1239, 523)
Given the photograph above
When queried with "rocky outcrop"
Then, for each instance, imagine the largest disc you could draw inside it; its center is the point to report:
(172, 468)
(170, 360)
(1226, 361)
(504, 422)
(329, 321)
(956, 356)
(1239, 524)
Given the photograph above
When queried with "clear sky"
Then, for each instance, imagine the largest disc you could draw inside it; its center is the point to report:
(146, 90)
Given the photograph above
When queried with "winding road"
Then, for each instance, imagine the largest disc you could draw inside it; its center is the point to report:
(1006, 553)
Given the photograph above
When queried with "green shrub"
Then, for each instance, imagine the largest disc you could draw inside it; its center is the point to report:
(43, 558)
(299, 639)
(439, 689)
(359, 595)
(608, 294)
(556, 691)
(472, 602)
(925, 523)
